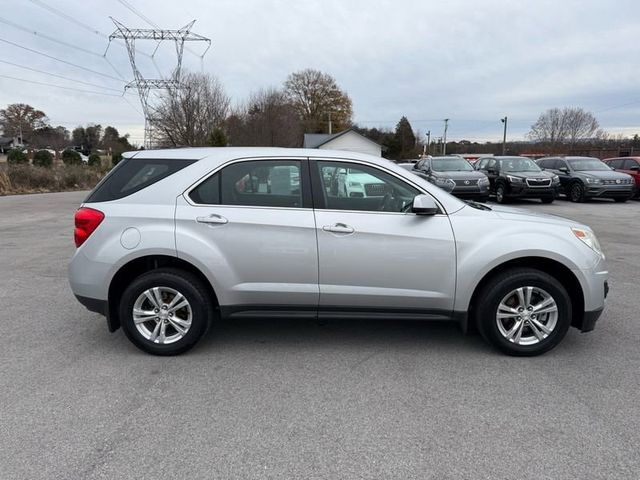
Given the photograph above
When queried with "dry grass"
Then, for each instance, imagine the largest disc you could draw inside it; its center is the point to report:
(30, 179)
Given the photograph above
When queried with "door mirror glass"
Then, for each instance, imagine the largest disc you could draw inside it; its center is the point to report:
(564, 169)
(424, 205)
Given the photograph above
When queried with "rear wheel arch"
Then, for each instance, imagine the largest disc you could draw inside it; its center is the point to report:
(551, 267)
(138, 266)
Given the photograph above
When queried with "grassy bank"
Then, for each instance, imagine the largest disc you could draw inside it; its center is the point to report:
(17, 179)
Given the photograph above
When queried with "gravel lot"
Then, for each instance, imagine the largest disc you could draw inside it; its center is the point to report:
(285, 399)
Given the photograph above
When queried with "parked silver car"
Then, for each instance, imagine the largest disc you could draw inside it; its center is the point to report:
(172, 240)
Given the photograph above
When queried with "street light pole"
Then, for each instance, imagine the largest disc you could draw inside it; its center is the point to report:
(429, 142)
(444, 139)
(504, 135)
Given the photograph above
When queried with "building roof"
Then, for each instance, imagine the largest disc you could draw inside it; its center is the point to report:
(316, 140)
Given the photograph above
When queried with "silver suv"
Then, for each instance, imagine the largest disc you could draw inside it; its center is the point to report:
(172, 240)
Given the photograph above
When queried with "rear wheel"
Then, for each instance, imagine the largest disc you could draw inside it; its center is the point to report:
(576, 192)
(165, 311)
(523, 312)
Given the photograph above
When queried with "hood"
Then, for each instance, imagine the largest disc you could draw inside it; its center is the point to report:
(456, 175)
(603, 174)
(511, 213)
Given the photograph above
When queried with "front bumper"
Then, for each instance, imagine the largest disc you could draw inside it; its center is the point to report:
(474, 191)
(609, 191)
(522, 190)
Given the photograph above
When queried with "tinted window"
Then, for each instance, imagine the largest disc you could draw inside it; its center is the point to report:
(628, 163)
(450, 164)
(587, 164)
(208, 192)
(132, 175)
(347, 186)
(261, 183)
(547, 163)
(518, 164)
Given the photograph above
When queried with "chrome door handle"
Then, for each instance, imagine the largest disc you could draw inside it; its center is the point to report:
(213, 219)
(338, 228)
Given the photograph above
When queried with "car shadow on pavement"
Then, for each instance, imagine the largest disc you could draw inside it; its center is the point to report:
(340, 333)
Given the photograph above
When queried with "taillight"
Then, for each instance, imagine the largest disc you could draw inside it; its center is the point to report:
(87, 220)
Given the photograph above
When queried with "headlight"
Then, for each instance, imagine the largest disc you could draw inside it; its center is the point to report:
(514, 179)
(555, 179)
(443, 182)
(589, 239)
(355, 184)
(483, 181)
(593, 180)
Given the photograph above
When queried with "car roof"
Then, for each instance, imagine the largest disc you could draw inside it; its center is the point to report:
(224, 153)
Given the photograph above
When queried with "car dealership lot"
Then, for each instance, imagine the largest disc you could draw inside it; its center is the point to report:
(282, 399)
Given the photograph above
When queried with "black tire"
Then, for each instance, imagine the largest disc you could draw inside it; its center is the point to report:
(501, 193)
(202, 309)
(546, 199)
(620, 200)
(576, 192)
(495, 290)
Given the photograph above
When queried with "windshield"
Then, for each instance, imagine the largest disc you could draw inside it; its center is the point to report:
(582, 164)
(450, 165)
(518, 164)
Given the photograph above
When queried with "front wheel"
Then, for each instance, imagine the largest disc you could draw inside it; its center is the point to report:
(501, 194)
(165, 311)
(523, 312)
(576, 192)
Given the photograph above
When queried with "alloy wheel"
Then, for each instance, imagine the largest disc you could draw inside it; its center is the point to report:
(527, 315)
(162, 315)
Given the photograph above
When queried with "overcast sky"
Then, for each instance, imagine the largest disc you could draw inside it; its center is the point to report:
(470, 61)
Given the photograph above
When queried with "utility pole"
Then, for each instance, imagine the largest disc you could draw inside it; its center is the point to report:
(429, 142)
(504, 135)
(330, 126)
(444, 139)
(145, 85)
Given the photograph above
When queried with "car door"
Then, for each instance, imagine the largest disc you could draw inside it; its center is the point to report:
(374, 256)
(252, 227)
(561, 168)
(489, 167)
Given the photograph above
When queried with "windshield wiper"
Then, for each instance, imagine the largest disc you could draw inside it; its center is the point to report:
(477, 205)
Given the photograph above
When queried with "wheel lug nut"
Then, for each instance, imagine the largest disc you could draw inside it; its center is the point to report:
(156, 310)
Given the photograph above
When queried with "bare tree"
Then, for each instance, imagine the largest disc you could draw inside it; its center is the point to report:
(567, 125)
(188, 115)
(318, 99)
(267, 118)
(20, 120)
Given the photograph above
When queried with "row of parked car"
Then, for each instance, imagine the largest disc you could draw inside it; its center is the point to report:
(506, 177)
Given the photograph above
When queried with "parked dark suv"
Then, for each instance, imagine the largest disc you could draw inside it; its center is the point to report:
(587, 177)
(628, 165)
(520, 177)
(467, 182)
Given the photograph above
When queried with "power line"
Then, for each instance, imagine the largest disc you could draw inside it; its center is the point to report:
(75, 21)
(60, 86)
(60, 60)
(60, 76)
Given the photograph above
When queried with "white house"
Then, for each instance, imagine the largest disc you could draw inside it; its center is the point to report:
(348, 140)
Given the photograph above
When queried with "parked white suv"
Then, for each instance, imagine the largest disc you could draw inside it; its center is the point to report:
(172, 240)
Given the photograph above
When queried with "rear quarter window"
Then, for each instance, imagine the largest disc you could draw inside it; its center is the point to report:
(132, 175)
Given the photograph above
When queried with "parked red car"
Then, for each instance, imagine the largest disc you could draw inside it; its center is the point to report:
(630, 165)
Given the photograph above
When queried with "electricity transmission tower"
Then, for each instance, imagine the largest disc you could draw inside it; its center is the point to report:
(146, 85)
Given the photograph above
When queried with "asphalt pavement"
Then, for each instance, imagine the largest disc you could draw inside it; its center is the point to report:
(296, 399)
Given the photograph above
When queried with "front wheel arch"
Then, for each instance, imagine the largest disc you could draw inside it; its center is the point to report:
(138, 266)
(546, 265)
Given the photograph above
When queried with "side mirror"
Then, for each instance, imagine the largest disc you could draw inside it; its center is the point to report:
(424, 205)
(564, 169)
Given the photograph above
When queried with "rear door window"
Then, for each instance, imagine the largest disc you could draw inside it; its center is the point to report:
(132, 175)
(628, 163)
